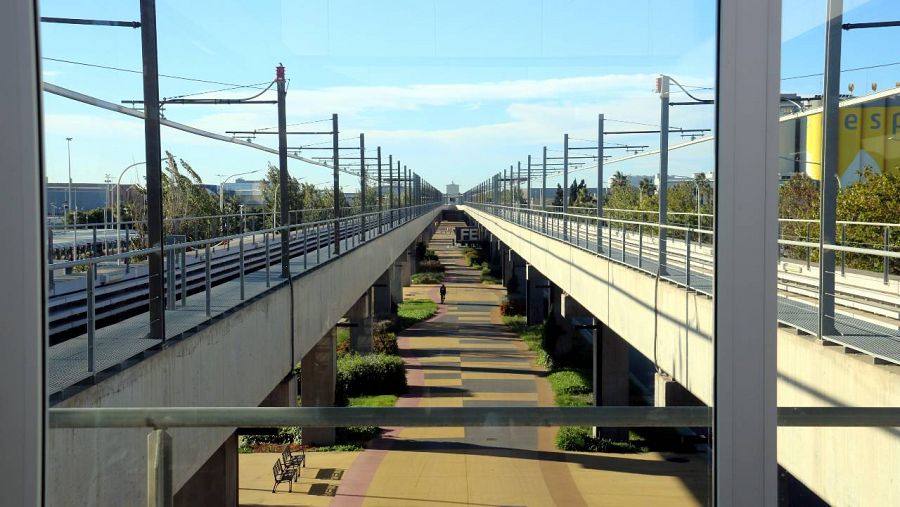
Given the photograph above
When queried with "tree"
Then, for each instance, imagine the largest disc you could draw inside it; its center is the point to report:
(618, 180)
(646, 188)
(558, 198)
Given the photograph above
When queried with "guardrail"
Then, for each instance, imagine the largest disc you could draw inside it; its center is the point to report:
(583, 228)
(622, 241)
(325, 238)
(159, 441)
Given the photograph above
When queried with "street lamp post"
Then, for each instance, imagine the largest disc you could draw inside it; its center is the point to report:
(69, 197)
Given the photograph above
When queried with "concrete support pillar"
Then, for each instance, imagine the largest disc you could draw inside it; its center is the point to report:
(284, 394)
(360, 317)
(536, 294)
(407, 259)
(216, 482)
(381, 295)
(396, 285)
(610, 375)
(318, 370)
(517, 275)
(669, 393)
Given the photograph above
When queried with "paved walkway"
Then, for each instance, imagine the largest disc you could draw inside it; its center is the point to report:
(466, 357)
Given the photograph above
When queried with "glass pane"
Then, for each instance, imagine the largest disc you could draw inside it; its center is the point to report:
(482, 212)
(838, 331)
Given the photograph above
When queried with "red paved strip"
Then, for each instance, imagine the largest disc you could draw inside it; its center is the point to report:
(355, 483)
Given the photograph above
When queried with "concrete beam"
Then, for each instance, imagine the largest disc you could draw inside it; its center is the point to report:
(318, 370)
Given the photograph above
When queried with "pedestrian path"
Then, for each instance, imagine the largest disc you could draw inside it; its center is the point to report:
(466, 357)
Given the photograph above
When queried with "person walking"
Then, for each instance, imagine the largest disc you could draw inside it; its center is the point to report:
(443, 293)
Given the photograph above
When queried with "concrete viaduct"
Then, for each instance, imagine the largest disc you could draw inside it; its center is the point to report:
(630, 310)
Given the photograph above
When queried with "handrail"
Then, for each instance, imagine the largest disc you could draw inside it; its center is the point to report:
(219, 239)
(610, 416)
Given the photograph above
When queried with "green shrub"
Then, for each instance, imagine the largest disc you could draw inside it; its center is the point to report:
(412, 311)
(428, 278)
(570, 381)
(430, 266)
(385, 343)
(430, 255)
(580, 438)
(365, 374)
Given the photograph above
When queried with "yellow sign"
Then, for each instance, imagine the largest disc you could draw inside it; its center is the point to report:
(869, 136)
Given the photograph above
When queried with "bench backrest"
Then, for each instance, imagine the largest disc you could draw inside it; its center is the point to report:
(277, 469)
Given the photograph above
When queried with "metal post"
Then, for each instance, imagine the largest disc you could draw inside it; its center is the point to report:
(241, 264)
(380, 202)
(207, 281)
(127, 243)
(305, 244)
(623, 242)
(687, 257)
(153, 157)
(362, 186)
(91, 316)
(599, 178)
(391, 190)
(51, 283)
(808, 249)
(663, 84)
(283, 178)
(640, 245)
(519, 192)
(565, 187)
(159, 469)
(827, 181)
(336, 163)
(269, 258)
(183, 277)
(886, 261)
(543, 189)
(843, 243)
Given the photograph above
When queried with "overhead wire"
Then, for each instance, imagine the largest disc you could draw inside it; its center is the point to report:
(867, 67)
(132, 71)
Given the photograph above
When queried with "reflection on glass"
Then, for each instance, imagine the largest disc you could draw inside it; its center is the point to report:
(838, 336)
(476, 211)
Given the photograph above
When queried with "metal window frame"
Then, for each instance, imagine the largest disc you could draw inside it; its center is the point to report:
(23, 417)
(746, 243)
(748, 94)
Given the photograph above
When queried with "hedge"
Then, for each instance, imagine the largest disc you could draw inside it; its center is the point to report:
(378, 373)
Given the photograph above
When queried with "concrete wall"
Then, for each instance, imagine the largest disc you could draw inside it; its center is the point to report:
(844, 466)
(237, 360)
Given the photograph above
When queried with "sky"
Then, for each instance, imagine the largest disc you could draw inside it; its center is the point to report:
(457, 90)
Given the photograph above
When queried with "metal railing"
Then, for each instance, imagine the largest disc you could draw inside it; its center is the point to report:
(159, 454)
(214, 263)
(632, 242)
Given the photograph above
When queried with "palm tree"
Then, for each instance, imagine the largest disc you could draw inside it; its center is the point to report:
(646, 187)
(619, 180)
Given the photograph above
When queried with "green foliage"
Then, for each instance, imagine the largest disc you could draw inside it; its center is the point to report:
(366, 374)
(580, 438)
(412, 311)
(343, 341)
(873, 198)
(427, 278)
(558, 196)
(377, 400)
(473, 256)
(385, 343)
(571, 387)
